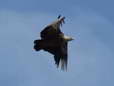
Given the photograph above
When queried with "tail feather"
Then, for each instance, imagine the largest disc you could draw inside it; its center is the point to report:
(37, 45)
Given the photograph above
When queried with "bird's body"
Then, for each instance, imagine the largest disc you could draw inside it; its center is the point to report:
(55, 42)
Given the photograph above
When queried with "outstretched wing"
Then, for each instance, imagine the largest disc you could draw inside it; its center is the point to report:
(52, 30)
(59, 50)
(61, 56)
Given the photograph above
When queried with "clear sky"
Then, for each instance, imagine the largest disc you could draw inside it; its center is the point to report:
(91, 54)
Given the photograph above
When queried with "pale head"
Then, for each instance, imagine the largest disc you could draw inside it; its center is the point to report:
(67, 38)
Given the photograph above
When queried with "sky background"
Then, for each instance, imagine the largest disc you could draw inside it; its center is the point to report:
(91, 54)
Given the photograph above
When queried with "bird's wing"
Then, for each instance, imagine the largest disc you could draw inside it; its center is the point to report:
(52, 30)
(60, 54)
(49, 32)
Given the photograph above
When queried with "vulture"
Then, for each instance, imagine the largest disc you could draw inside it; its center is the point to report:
(55, 42)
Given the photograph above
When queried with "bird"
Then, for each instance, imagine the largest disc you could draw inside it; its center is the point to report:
(55, 42)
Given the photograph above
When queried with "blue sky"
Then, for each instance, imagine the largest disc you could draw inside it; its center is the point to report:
(91, 54)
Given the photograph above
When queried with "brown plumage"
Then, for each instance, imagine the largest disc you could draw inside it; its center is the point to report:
(55, 42)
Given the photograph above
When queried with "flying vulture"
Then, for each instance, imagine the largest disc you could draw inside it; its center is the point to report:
(55, 42)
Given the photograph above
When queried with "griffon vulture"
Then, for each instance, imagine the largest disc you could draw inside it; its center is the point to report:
(55, 42)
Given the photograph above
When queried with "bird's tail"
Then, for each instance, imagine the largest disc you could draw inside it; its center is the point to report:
(37, 45)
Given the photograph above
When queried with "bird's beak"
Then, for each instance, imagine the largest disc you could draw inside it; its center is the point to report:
(72, 38)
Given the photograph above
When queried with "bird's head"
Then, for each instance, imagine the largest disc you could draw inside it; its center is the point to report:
(67, 38)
